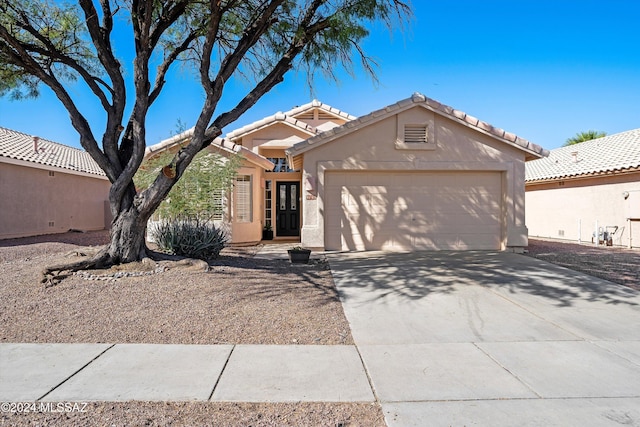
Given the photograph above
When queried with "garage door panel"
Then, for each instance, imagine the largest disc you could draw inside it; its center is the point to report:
(456, 241)
(413, 210)
(442, 218)
(456, 229)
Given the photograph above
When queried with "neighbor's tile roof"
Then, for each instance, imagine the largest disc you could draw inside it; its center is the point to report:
(610, 154)
(532, 149)
(20, 146)
(289, 117)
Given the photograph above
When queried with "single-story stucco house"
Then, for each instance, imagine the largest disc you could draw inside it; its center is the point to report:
(414, 175)
(587, 189)
(48, 188)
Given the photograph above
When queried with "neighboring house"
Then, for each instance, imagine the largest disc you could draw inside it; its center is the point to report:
(579, 186)
(414, 175)
(266, 190)
(47, 188)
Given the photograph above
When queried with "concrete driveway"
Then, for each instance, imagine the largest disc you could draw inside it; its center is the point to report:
(484, 338)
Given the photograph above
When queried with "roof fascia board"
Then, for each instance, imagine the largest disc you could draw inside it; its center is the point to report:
(582, 176)
(219, 144)
(240, 133)
(255, 158)
(429, 104)
(321, 106)
(169, 142)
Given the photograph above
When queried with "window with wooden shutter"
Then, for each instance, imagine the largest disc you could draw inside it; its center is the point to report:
(243, 199)
(217, 205)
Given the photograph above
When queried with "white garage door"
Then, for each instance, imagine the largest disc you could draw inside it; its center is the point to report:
(412, 210)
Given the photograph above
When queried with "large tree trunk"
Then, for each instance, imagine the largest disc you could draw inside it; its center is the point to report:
(128, 244)
(127, 237)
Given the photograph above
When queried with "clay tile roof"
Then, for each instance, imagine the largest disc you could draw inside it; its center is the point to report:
(289, 118)
(533, 151)
(610, 154)
(221, 144)
(318, 104)
(20, 146)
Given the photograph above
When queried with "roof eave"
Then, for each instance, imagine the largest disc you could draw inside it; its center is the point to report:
(321, 105)
(594, 174)
(270, 121)
(532, 151)
(220, 144)
(37, 165)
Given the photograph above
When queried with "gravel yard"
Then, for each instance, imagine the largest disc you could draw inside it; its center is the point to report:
(238, 301)
(615, 264)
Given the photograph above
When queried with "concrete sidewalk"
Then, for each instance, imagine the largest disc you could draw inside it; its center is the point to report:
(153, 372)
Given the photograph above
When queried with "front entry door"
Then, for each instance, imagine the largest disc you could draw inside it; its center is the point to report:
(288, 209)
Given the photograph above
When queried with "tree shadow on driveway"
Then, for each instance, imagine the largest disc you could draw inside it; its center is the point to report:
(417, 275)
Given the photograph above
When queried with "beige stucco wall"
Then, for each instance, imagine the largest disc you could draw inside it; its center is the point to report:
(249, 232)
(34, 203)
(373, 147)
(245, 232)
(277, 131)
(569, 209)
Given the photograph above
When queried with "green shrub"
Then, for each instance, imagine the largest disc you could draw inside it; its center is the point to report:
(190, 236)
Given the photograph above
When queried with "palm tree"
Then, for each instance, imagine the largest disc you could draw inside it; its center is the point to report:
(584, 136)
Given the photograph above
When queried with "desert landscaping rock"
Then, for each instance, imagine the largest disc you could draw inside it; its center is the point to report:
(616, 264)
(240, 300)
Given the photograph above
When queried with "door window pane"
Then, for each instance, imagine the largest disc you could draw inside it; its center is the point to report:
(294, 197)
(283, 197)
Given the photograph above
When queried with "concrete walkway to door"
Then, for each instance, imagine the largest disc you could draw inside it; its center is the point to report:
(484, 338)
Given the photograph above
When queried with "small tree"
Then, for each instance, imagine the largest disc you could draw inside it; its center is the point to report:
(196, 193)
(54, 43)
(584, 136)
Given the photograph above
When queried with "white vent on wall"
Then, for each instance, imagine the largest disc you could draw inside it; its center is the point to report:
(415, 134)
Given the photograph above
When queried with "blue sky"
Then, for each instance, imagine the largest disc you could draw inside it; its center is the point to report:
(542, 69)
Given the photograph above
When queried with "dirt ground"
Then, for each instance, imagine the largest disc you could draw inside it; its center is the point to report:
(611, 263)
(240, 300)
(212, 414)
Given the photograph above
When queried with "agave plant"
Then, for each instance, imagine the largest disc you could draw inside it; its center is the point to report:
(191, 236)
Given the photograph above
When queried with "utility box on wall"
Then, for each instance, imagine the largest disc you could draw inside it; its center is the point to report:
(633, 205)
